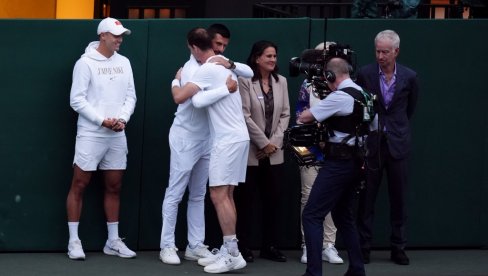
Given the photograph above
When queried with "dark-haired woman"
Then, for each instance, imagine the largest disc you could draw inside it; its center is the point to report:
(266, 110)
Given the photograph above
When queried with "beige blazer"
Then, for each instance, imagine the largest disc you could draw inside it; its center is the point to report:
(253, 109)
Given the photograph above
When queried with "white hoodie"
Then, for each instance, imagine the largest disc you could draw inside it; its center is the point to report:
(102, 88)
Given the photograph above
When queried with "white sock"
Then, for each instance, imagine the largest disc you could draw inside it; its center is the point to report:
(113, 230)
(73, 230)
(230, 242)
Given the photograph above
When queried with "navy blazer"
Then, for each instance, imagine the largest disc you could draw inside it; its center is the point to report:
(397, 117)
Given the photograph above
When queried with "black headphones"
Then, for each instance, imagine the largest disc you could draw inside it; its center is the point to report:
(329, 76)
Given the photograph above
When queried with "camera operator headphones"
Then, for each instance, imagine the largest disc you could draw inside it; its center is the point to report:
(329, 76)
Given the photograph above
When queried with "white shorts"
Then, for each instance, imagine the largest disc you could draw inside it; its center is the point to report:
(104, 153)
(228, 164)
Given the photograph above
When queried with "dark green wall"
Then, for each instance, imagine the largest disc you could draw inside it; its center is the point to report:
(449, 164)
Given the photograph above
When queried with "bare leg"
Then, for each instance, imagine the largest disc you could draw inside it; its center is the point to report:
(224, 206)
(74, 201)
(111, 200)
(230, 194)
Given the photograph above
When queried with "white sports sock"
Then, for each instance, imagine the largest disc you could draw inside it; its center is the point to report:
(73, 230)
(113, 230)
(230, 242)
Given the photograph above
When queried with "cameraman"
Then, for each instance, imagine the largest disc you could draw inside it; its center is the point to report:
(307, 98)
(335, 185)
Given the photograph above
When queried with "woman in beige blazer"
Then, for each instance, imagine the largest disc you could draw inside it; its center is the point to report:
(266, 109)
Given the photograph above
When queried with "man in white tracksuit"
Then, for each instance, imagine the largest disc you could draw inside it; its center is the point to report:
(190, 144)
(103, 95)
(230, 144)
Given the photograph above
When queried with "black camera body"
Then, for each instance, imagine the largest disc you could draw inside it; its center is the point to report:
(313, 63)
(304, 142)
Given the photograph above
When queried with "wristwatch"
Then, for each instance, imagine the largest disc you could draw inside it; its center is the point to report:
(232, 65)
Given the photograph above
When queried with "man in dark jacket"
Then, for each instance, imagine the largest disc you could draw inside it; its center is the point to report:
(396, 87)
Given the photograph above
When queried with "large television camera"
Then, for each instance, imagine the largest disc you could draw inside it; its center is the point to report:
(306, 142)
(313, 62)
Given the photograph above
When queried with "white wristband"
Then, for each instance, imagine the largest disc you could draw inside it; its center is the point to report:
(174, 83)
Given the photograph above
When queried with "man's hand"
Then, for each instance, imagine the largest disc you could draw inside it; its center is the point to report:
(305, 117)
(114, 124)
(298, 116)
(119, 125)
(109, 122)
(220, 61)
(231, 84)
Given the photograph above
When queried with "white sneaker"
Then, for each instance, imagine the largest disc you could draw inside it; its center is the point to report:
(330, 254)
(303, 260)
(200, 251)
(168, 256)
(118, 248)
(215, 253)
(75, 250)
(225, 262)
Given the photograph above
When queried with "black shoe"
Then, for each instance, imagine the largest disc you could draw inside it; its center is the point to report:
(271, 253)
(349, 273)
(247, 254)
(366, 255)
(398, 256)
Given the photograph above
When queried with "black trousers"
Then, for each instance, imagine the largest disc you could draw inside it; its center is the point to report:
(258, 198)
(396, 173)
(334, 190)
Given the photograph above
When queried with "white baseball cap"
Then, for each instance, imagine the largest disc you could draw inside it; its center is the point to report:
(112, 26)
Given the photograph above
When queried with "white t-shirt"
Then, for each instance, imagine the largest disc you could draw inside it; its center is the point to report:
(337, 103)
(227, 123)
(190, 122)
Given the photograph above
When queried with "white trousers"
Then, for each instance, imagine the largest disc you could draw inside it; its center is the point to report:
(307, 176)
(188, 168)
